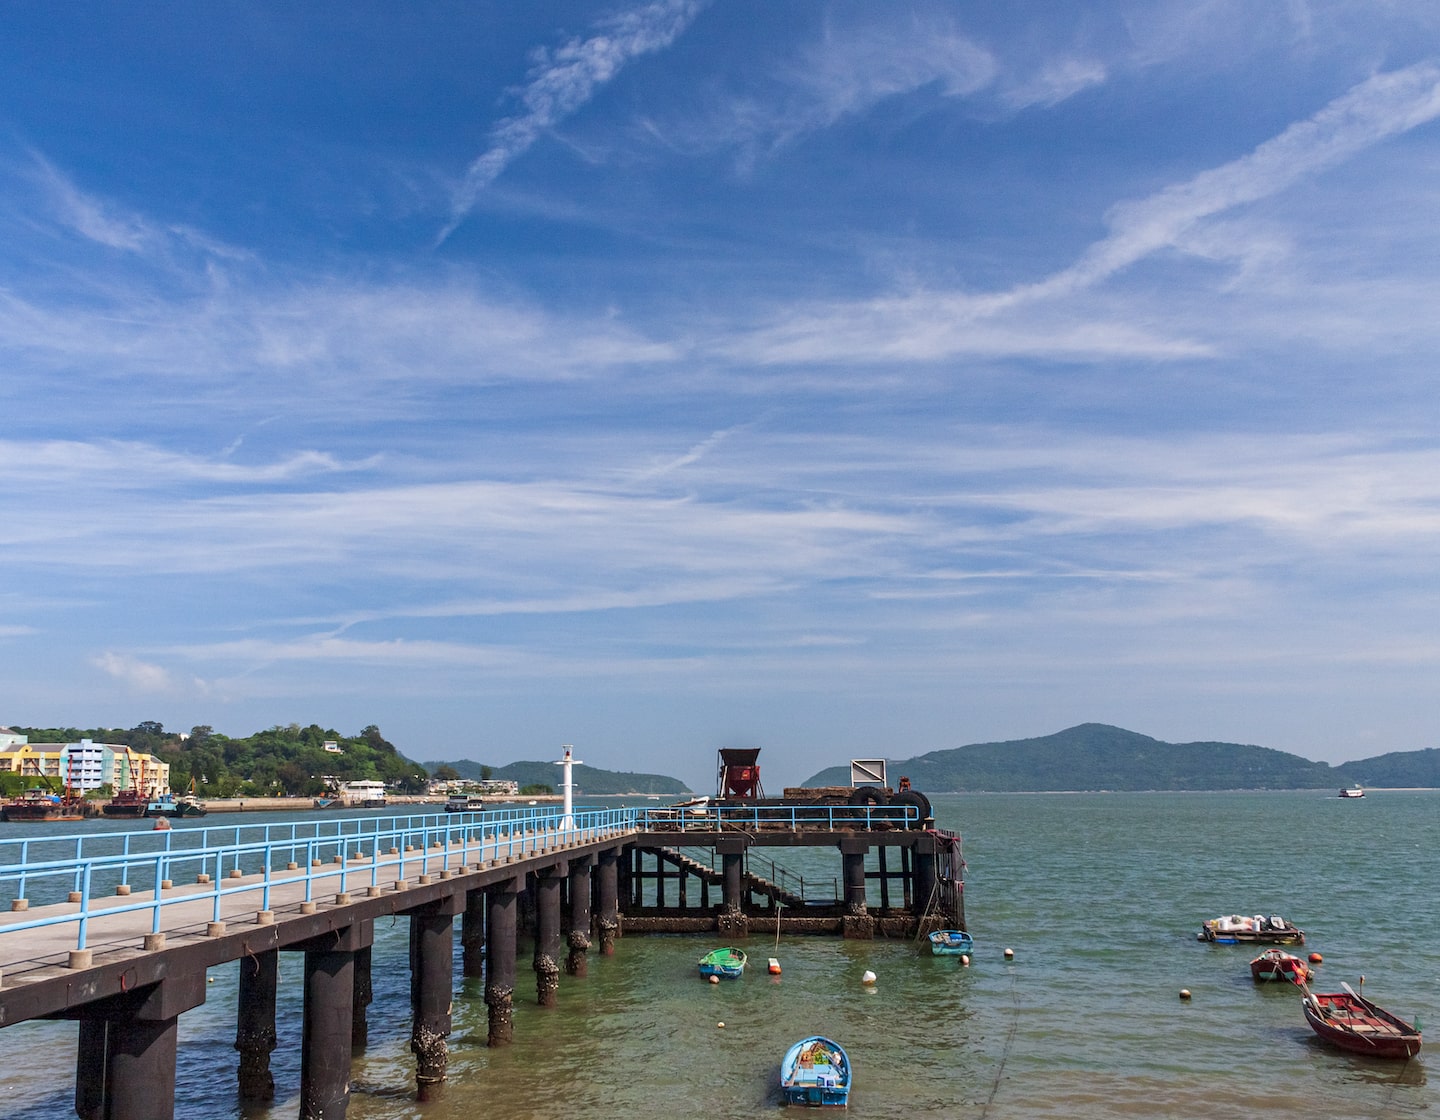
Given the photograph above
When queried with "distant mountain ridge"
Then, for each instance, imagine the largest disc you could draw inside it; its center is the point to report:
(1096, 756)
(588, 779)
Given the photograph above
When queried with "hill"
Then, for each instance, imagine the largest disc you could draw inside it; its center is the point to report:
(280, 760)
(1096, 756)
(588, 779)
(1397, 770)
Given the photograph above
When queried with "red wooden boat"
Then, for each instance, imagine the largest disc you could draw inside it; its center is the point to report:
(1354, 1023)
(1277, 964)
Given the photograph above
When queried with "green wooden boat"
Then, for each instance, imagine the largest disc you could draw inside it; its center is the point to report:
(727, 963)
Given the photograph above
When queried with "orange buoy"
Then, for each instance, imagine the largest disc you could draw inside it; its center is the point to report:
(161, 824)
(1316, 958)
(774, 967)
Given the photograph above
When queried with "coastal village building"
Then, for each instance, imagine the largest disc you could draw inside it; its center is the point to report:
(83, 766)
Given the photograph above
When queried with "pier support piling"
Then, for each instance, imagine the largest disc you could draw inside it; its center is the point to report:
(125, 1066)
(547, 935)
(500, 928)
(329, 1017)
(255, 1024)
(140, 1068)
(607, 900)
(364, 995)
(578, 936)
(732, 921)
(432, 948)
(472, 935)
(858, 924)
(90, 1070)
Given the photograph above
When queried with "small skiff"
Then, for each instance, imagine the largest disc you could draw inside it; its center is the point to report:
(1352, 1022)
(951, 942)
(1277, 964)
(728, 964)
(816, 1072)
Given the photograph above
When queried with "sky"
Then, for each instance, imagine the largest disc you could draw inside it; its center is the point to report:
(848, 380)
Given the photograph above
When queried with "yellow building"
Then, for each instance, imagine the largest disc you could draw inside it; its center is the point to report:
(84, 766)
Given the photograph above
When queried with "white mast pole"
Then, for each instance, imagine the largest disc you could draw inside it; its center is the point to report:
(568, 786)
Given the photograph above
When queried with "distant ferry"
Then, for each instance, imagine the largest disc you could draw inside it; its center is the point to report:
(1352, 791)
(355, 795)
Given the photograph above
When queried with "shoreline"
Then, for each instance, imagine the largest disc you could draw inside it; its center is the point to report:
(302, 804)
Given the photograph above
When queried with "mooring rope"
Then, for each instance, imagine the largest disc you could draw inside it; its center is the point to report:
(1009, 1041)
(925, 915)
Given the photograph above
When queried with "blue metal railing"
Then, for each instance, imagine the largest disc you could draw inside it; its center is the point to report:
(341, 853)
(741, 816)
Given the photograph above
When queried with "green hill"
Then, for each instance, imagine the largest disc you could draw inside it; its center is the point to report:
(588, 779)
(1095, 756)
(1397, 770)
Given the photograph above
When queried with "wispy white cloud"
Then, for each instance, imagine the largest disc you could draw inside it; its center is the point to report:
(564, 79)
(1057, 80)
(852, 66)
(1042, 318)
(115, 464)
(105, 222)
(858, 64)
(1382, 107)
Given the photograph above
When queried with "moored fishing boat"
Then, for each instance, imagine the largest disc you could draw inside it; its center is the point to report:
(127, 803)
(950, 942)
(1352, 1022)
(42, 805)
(1277, 964)
(170, 805)
(727, 963)
(1232, 929)
(816, 1072)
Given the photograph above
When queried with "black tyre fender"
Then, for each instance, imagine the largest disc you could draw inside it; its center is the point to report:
(867, 795)
(916, 798)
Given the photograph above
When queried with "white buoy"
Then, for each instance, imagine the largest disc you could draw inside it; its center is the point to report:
(965, 960)
(714, 979)
(1009, 954)
(719, 1026)
(868, 978)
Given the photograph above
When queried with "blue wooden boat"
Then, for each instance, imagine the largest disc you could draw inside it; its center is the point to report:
(951, 942)
(727, 963)
(816, 1072)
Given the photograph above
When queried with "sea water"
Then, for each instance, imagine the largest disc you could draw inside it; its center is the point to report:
(1099, 896)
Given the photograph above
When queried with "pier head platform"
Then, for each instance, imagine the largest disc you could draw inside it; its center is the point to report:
(115, 931)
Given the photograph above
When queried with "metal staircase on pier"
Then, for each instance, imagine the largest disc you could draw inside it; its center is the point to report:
(753, 884)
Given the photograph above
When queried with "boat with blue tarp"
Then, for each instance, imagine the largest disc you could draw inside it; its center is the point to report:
(950, 942)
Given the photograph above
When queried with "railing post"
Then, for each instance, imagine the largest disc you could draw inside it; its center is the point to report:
(84, 873)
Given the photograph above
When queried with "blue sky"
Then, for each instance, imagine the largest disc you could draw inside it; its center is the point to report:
(842, 379)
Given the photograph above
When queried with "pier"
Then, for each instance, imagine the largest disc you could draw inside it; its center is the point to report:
(115, 931)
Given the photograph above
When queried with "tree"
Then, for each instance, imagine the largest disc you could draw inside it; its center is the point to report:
(445, 774)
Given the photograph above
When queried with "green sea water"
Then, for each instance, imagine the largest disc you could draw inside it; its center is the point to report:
(1099, 896)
